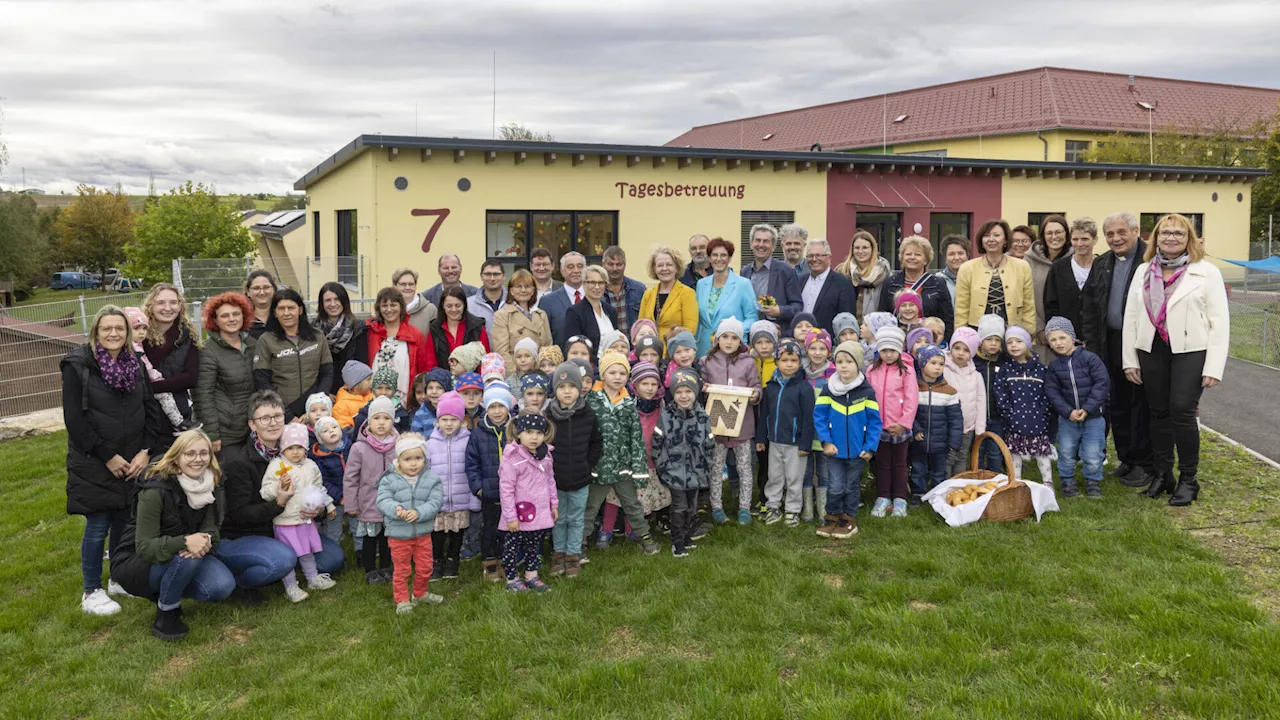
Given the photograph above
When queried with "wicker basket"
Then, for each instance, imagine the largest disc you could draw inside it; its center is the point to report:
(1009, 502)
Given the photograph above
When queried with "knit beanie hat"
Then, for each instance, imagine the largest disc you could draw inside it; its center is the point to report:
(645, 370)
(468, 381)
(492, 366)
(788, 345)
(451, 403)
(853, 349)
(916, 334)
(497, 393)
(877, 320)
(928, 352)
(526, 343)
(649, 342)
(1061, 324)
(764, 328)
(410, 441)
(990, 325)
(818, 335)
(319, 397)
(608, 339)
(682, 339)
(354, 373)
(844, 321)
(535, 380)
(890, 337)
(468, 355)
(552, 353)
(567, 373)
(799, 318)
(382, 405)
(908, 296)
(609, 358)
(968, 336)
(386, 375)
(440, 375)
(579, 339)
(324, 422)
(1017, 331)
(730, 325)
(294, 434)
(527, 421)
(684, 377)
(640, 325)
(584, 366)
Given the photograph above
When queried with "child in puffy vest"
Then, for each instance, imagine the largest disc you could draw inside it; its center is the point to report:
(893, 378)
(447, 458)
(962, 374)
(1024, 405)
(730, 363)
(530, 505)
(1078, 383)
(846, 419)
(939, 425)
(295, 478)
(409, 496)
(329, 452)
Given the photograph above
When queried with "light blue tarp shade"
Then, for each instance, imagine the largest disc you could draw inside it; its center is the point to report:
(1271, 264)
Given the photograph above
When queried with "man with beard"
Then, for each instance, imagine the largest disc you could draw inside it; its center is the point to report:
(699, 264)
(772, 277)
(794, 241)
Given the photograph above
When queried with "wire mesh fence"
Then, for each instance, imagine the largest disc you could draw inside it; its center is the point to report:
(1254, 302)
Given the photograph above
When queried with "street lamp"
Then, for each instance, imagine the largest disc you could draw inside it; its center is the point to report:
(1151, 142)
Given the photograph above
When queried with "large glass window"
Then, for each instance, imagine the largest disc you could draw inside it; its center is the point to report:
(1076, 150)
(1148, 222)
(944, 224)
(510, 235)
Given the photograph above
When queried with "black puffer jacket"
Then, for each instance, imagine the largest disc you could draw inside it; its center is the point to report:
(357, 348)
(682, 445)
(247, 513)
(103, 422)
(578, 445)
(223, 389)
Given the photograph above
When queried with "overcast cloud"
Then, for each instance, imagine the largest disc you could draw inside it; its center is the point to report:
(251, 95)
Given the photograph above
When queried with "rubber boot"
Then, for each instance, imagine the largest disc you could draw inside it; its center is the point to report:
(820, 501)
(806, 505)
(1161, 483)
(557, 564)
(168, 625)
(1186, 491)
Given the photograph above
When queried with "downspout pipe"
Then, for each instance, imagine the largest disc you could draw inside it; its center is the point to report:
(1046, 145)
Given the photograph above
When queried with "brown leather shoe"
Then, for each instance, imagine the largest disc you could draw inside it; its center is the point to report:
(571, 566)
(847, 528)
(557, 564)
(828, 526)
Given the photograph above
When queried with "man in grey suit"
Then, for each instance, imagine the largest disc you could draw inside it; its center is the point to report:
(450, 269)
(541, 264)
(557, 302)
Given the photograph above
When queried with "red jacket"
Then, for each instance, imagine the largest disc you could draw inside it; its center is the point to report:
(421, 356)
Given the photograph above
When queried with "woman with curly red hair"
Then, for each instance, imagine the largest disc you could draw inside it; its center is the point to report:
(226, 370)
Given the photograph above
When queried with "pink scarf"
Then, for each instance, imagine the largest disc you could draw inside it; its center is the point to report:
(1156, 291)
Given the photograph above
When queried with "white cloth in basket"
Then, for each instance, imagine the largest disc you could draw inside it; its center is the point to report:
(1042, 499)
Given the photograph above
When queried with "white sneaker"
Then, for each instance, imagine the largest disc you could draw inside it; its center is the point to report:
(429, 597)
(404, 608)
(321, 582)
(98, 603)
(114, 588)
(295, 593)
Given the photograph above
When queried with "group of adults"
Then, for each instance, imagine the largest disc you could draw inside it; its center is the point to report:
(1156, 314)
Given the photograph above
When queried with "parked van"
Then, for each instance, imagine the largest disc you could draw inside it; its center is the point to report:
(73, 281)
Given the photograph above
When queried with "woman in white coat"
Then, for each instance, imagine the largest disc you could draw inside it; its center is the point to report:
(1176, 333)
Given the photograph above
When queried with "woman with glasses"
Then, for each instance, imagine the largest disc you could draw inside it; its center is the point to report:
(1176, 332)
(670, 303)
(420, 312)
(520, 318)
(292, 358)
(1054, 243)
(226, 370)
(112, 421)
(260, 288)
(722, 294)
(172, 345)
(591, 318)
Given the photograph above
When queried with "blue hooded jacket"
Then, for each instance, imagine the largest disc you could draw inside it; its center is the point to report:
(850, 421)
(786, 412)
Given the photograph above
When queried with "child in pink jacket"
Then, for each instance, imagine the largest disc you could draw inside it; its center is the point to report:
(893, 377)
(527, 489)
(372, 454)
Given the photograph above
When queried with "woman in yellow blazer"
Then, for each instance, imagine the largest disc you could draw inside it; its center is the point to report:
(974, 296)
(671, 303)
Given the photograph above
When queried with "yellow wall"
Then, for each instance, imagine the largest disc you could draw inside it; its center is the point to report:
(1226, 222)
(1019, 146)
(351, 187)
(532, 185)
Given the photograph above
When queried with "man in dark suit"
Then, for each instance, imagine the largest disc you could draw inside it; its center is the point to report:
(770, 276)
(699, 266)
(1102, 322)
(540, 264)
(450, 269)
(825, 293)
(557, 302)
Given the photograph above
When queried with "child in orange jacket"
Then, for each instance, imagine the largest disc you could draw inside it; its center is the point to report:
(357, 391)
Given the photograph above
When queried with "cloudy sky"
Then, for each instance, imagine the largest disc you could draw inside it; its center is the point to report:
(251, 95)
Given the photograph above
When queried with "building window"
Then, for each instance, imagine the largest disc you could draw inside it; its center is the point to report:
(1148, 221)
(926, 153)
(776, 218)
(1076, 150)
(348, 247)
(1036, 219)
(944, 224)
(510, 235)
(315, 236)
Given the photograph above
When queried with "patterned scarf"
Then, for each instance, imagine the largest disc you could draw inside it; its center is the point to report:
(1156, 290)
(267, 453)
(337, 334)
(648, 406)
(381, 445)
(120, 372)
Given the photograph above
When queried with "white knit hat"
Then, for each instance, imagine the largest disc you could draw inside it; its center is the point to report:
(730, 325)
(990, 326)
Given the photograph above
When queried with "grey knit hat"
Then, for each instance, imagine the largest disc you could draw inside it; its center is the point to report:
(355, 372)
(1057, 322)
(567, 373)
(844, 321)
(684, 377)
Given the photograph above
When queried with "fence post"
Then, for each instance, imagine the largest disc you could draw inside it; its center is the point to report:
(1266, 337)
(195, 319)
(177, 274)
(84, 321)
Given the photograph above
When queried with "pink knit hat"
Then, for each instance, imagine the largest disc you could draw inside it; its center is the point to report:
(294, 434)
(451, 403)
(908, 296)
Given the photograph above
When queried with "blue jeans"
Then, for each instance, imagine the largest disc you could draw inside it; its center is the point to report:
(816, 458)
(990, 457)
(927, 469)
(844, 485)
(331, 558)
(566, 536)
(97, 526)
(257, 560)
(203, 579)
(1088, 441)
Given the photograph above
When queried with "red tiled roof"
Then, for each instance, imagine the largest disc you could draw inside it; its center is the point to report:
(1025, 101)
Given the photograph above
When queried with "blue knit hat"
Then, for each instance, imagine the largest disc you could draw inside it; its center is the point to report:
(535, 380)
(440, 375)
(497, 393)
(684, 338)
(1061, 324)
(926, 353)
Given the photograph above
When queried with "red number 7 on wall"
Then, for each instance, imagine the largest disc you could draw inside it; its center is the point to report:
(440, 215)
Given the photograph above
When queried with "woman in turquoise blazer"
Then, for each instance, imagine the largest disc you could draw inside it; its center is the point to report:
(722, 294)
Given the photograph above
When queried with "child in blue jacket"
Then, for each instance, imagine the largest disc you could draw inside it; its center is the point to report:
(846, 419)
(484, 453)
(1024, 405)
(329, 452)
(939, 425)
(786, 424)
(1077, 386)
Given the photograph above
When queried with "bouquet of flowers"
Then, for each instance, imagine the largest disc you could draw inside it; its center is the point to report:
(767, 301)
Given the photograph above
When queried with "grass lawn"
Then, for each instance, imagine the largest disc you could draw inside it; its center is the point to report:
(1124, 608)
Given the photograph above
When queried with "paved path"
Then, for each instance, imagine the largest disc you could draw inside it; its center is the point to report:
(1246, 406)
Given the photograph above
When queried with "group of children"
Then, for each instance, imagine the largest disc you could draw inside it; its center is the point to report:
(502, 458)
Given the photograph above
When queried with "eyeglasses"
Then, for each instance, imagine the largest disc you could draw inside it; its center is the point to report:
(263, 289)
(595, 283)
(406, 286)
(817, 256)
(196, 455)
(492, 275)
(1176, 234)
(269, 419)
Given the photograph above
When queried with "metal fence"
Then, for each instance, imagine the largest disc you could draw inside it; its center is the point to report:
(1254, 303)
(202, 278)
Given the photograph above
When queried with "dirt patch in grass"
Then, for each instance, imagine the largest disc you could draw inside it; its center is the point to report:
(622, 644)
(101, 635)
(833, 581)
(786, 674)
(236, 635)
(921, 606)
(173, 668)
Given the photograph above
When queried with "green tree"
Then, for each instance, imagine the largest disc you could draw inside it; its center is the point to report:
(93, 230)
(244, 202)
(1266, 192)
(516, 131)
(289, 202)
(188, 222)
(22, 245)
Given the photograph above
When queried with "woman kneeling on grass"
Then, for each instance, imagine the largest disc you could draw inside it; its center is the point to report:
(166, 551)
